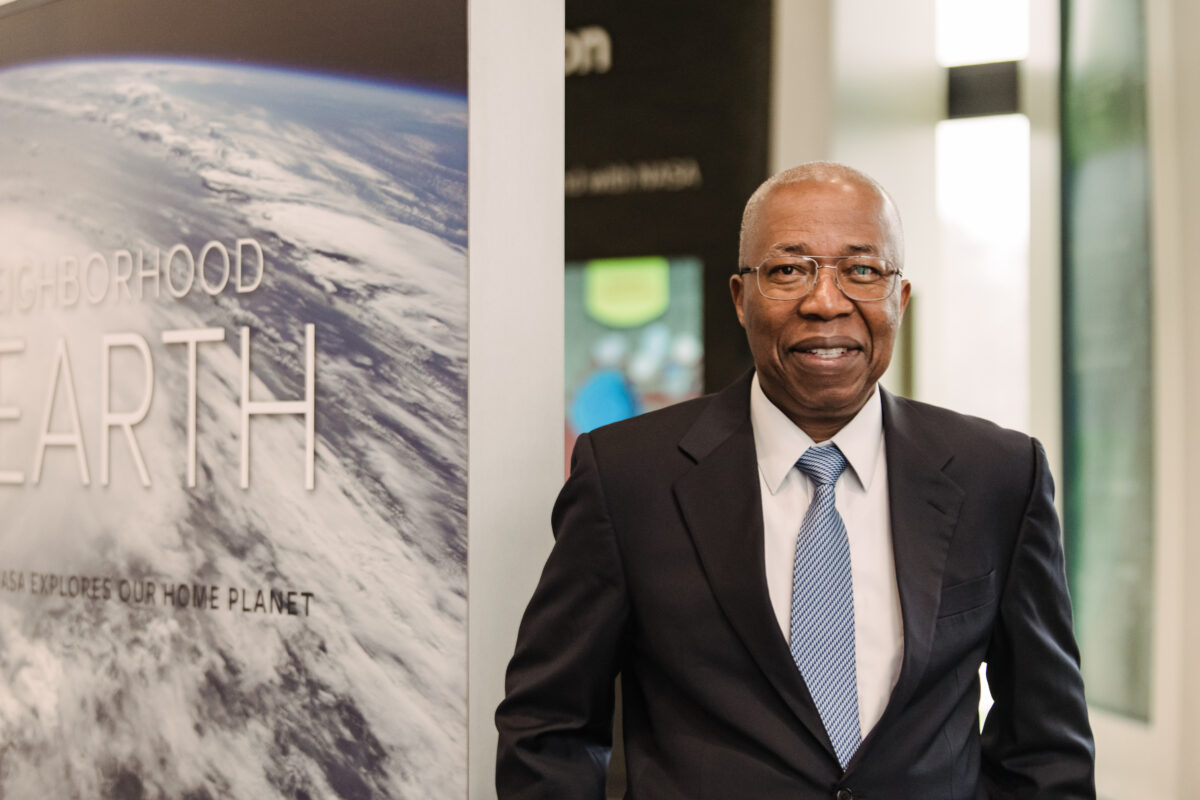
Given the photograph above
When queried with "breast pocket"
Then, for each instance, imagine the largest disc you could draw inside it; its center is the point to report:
(968, 595)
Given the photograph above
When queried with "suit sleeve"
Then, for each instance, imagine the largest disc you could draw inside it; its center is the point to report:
(555, 722)
(1037, 742)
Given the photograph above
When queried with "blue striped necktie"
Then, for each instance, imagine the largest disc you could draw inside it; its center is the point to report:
(822, 634)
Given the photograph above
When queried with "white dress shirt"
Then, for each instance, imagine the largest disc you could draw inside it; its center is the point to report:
(862, 500)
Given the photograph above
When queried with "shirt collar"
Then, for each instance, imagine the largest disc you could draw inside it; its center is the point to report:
(778, 441)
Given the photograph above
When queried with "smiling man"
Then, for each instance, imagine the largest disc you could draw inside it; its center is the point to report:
(798, 578)
(820, 352)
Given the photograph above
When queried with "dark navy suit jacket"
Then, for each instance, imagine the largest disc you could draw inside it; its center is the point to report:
(657, 573)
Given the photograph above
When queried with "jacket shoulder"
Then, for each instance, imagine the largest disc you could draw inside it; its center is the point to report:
(975, 444)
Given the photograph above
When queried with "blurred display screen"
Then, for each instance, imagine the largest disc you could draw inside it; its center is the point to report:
(634, 337)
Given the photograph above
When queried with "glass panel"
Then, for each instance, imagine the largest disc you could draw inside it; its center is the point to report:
(1107, 356)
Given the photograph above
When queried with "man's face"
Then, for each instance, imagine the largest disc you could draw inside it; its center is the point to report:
(818, 358)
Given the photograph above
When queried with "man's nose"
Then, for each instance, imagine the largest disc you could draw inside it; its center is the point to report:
(825, 299)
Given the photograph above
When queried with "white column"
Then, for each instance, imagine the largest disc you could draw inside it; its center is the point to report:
(1186, 541)
(515, 402)
(801, 82)
(1039, 99)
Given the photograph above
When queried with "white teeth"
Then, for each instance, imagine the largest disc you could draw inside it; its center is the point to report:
(827, 352)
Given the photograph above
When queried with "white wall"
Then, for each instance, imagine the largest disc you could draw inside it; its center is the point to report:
(801, 83)
(1187, 533)
(1184, 539)
(1173, 739)
(516, 335)
(886, 102)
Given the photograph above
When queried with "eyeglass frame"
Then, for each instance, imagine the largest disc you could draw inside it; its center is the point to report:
(898, 274)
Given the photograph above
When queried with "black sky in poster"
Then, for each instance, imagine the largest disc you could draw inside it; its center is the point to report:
(419, 42)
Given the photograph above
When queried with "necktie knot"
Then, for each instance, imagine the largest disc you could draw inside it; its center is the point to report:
(823, 464)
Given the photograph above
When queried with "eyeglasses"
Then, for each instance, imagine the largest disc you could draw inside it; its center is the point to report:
(863, 278)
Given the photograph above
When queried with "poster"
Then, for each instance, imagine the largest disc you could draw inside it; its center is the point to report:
(666, 138)
(233, 312)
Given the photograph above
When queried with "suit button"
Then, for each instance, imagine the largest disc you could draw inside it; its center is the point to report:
(844, 794)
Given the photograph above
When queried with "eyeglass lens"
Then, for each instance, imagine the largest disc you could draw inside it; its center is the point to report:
(859, 277)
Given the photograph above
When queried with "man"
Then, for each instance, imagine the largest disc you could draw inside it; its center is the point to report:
(798, 577)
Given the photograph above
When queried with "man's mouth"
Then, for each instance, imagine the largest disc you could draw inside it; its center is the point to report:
(826, 352)
(826, 349)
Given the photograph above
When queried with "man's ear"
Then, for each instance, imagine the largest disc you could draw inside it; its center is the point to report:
(737, 285)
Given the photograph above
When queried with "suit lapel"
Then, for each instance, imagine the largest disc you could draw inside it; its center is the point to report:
(924, 505)
(722, 509)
